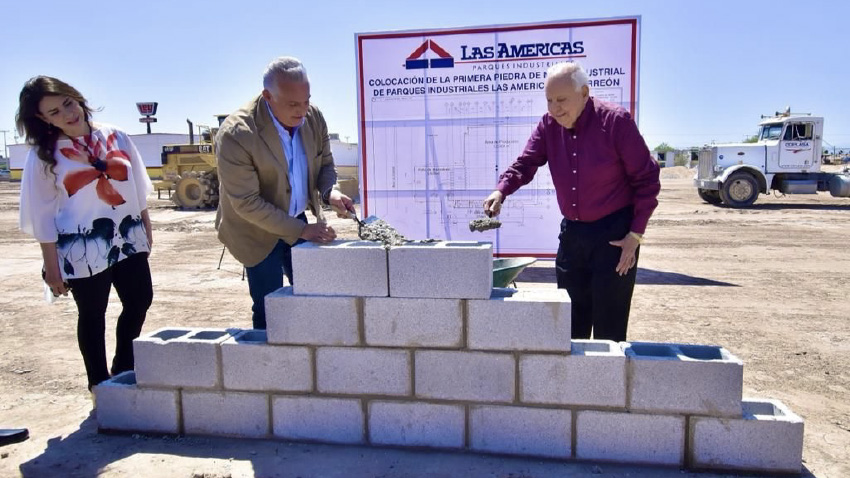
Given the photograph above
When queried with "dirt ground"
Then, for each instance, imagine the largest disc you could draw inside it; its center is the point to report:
(769, 283)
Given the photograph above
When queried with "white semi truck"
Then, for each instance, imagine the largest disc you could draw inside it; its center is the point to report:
(786, 158)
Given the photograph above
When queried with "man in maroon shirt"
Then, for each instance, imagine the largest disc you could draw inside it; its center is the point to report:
(606, 183)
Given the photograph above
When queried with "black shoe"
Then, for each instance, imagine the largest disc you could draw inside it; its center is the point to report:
(13, 435)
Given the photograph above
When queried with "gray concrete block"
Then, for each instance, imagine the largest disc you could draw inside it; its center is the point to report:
(768, 438)
(593, 375)
(122, 405)
(237, 414)
(630, 438)
(248, 362)
(328, 420)
(521, 431)
(444, 269)
(179, 357)
(524, 319)
(363, 371)
(476, 376)
(405, 322)
(416, 424)
(686, 379)
(355, 268)
(311, 320)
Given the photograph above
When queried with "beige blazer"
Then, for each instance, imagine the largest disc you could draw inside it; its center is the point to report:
(253, 210)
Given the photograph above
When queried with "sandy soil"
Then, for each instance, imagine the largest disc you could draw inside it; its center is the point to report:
(769, 283)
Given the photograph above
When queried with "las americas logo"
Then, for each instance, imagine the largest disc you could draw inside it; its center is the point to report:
(498, 52)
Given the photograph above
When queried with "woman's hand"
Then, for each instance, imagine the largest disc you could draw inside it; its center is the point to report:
(52, 274)
(146, 220)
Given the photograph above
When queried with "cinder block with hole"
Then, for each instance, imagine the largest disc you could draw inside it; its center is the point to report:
(122, 405)
(475, 376)
(416, 424)
(179, 357)
(329, 420)
(769, 438)
(444, 269)
(593, 375)
(630, 438)
(521, 431)
(686, 379)
(248, 362)
(355, 268)
(526, 320)
(310, 320)
(237, 414)
(406, 322)
(368, 371)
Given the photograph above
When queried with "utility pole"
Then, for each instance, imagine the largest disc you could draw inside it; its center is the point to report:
(5, 146)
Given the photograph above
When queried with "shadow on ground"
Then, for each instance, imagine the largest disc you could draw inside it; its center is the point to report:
(87, 454)
(644, 277)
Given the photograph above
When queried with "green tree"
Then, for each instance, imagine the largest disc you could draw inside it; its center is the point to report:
(752, 139)
(664, 147)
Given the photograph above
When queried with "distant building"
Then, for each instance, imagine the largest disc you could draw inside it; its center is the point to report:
(150, 148)
(347, 166)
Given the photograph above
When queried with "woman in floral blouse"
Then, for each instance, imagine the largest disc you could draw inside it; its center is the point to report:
(83, 197)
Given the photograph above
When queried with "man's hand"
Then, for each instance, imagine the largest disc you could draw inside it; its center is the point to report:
(493, 203)
(629, 244)
(341, 203)
(318, 232)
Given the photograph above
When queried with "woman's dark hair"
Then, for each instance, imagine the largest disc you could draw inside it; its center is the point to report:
(39, 133)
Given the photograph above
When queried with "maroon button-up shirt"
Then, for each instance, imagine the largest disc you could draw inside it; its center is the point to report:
(598, 167)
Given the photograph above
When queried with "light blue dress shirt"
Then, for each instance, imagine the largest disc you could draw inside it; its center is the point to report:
(296, 160)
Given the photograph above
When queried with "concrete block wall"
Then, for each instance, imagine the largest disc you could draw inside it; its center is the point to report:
(495, 374)
(444, 269)
(593, 375)
(317, 269)
(768, 437)
(686, 379)
(123, 406)
(525, 319)
(179, 357)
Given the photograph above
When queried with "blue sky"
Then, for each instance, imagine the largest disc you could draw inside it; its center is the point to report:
(708, 69)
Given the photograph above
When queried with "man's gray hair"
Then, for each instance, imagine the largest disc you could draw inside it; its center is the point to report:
(284, 68)
(571, 70)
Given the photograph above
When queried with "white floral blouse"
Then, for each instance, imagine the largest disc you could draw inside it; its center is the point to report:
(90, 205)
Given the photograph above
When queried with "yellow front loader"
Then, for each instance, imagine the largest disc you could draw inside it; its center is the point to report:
(190, 170)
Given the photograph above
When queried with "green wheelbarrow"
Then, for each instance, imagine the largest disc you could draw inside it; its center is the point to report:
(505, 271)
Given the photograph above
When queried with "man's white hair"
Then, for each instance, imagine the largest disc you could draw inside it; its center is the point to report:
(284, 68)
(570, 70)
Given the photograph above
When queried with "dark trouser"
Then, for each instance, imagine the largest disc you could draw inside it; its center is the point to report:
(267, 277)
(132, 280)
(586, 267)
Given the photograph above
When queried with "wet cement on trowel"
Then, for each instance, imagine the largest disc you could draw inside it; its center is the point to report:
(484, 224)
(380, 231)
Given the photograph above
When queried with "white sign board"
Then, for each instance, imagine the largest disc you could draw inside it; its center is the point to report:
(444, 112)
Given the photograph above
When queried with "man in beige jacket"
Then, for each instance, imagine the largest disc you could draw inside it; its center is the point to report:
(274, 161)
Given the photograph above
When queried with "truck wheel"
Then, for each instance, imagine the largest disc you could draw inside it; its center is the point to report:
(739, 190)
(189, 193)
(710, 196)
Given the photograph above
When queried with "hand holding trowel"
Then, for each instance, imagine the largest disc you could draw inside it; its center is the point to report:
(492, 207)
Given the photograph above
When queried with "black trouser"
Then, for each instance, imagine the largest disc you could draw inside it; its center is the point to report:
(586, 267)
(132, 280)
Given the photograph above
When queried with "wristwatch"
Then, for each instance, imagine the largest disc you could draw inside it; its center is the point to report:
(637, 236)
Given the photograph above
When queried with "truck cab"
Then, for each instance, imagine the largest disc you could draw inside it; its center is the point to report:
(785, 158)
